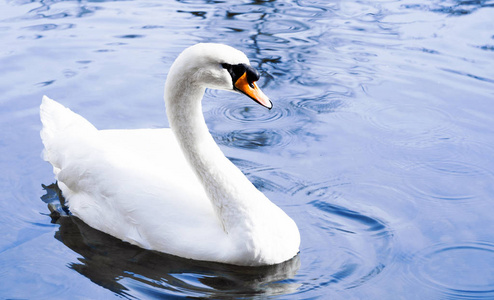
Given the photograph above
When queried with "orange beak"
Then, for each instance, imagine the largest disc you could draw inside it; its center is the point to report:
(251, 90)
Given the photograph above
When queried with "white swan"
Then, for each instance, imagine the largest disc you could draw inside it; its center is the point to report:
(171, 190)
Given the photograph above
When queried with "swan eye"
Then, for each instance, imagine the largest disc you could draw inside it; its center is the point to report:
(236, 71)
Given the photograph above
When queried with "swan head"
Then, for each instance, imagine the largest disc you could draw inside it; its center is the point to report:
(219, 66)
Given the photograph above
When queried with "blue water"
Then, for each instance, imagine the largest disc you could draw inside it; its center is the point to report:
(380, 143)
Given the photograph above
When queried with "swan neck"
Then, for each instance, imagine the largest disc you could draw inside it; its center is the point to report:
(230, 192)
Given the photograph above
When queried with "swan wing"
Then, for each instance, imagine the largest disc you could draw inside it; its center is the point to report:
(133, 184)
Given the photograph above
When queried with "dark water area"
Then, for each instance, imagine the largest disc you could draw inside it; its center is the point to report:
(379, 144)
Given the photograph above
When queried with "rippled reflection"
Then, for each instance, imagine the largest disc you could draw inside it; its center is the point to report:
(252, 139)
(435, 180)
(357, 245)
(469, 273)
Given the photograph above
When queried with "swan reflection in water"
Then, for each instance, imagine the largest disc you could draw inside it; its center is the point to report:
(121, 267)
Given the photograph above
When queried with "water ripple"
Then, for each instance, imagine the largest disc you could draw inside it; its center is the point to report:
(268, 178)
(389, 202)
(130, 36)
(285, 26)
(461, 270)
(49, 26)
(322, 104)
(449, 181)
(368, 223)
(254, 138)
(357, 244)
(412, 127)
(251, 113)
(452, 8)
(409, 119)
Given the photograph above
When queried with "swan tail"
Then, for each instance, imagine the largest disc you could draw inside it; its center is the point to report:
(59, 124)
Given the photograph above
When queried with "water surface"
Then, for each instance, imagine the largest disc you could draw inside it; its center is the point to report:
(379, 144)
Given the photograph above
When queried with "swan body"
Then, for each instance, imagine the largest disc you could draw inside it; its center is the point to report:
(171, 190)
